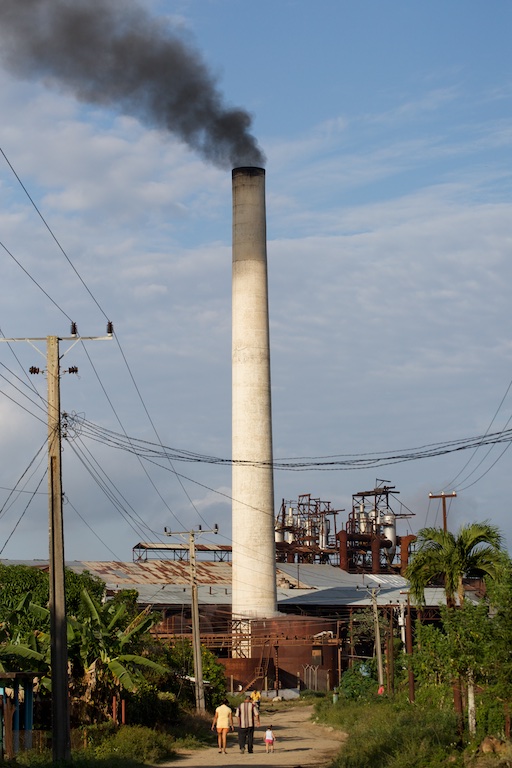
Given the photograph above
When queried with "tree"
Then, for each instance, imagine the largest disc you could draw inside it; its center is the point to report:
(446, 558)
(499, 594)
(107, 651)
(18, 581)
(107, 647)
(180, 658)
(476, 550)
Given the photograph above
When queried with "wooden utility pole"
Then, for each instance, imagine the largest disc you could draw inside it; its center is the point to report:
(196, 633)
(378, 647)
(61, 739)
(408, 636)
(194, 604)
(61, 731)
(443, 496)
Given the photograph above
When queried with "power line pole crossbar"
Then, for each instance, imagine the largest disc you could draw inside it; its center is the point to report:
(443, 496)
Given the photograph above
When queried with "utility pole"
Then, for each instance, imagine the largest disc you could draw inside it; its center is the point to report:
(378, 648)
(58, 630)
(443, 496)
(196, 635)
(61, 732)
(408, 636)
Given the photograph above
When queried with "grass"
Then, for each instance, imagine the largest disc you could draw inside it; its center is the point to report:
(392, 734)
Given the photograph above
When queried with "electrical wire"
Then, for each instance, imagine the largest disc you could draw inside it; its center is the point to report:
(84, 521)
(15, 489)
(20, 265)
(54, 238)
(164, 501)
(24, 511)
(23, 394)
(451, 484)
(132, 522)
(29, 382)
(486, 471)
(154, 452)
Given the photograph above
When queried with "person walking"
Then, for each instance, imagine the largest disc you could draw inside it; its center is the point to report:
(248, 717)
(269, 739)
(223, 721)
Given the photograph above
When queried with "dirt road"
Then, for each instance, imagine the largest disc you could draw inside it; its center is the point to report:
(299, 743)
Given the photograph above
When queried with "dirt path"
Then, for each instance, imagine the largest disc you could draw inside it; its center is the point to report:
(299, 743)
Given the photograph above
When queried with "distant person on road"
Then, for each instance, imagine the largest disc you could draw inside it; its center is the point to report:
(255, 698)
(223, 721)
(248, 717)
(269, 739)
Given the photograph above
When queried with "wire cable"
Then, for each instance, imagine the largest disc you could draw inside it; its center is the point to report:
(84, 521)
(15, 489)
(20, 265)
(54, 238)
(24, 511)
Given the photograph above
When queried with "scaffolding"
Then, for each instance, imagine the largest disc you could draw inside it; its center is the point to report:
(370, 542)
(306, 531)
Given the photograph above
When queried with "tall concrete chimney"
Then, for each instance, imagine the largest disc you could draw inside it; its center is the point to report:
(254, 561)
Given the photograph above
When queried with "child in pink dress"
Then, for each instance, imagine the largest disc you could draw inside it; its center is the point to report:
(269, 739)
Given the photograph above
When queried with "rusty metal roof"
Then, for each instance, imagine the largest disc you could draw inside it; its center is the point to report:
(126, 575)
(167, 582)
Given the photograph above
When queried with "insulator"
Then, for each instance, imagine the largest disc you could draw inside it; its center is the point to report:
(110, 328)
(74, 330)
(33, 369)
(73, 369)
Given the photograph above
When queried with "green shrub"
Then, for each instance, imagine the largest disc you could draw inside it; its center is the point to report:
(149, 707)
(136, 742)
(359, 682)
(392, 734)
(490, 716)
(98, 732)
(33, 760)
(308, 694)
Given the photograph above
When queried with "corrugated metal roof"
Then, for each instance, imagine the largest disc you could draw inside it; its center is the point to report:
(183, 547)
(124, 575)
(166, 582)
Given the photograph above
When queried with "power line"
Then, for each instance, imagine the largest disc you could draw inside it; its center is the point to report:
(452, 482)
(15, 489)
(154, 452)
(24, 511)
(84, 521)
(54, 238)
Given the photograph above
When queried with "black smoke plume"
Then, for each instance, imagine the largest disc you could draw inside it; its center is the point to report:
(112, 52)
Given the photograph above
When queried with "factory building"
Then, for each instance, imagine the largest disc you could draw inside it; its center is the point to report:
(328, 575)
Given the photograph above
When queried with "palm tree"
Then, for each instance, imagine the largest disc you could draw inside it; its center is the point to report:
(476, 550)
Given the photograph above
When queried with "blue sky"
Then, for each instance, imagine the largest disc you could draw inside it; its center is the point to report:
(388, 133)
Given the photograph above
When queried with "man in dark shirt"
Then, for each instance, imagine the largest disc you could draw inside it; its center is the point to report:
(248, 716)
